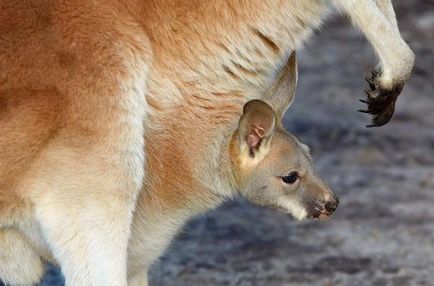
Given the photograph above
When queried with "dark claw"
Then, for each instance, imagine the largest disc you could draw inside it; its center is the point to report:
(363, 111)
(370, 82)
(380, 101)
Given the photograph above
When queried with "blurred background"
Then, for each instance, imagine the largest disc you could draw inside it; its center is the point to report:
(383, 231)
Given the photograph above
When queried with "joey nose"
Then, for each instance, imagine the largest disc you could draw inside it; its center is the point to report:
(332, 205)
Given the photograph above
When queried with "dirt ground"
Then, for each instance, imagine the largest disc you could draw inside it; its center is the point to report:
(383, 231)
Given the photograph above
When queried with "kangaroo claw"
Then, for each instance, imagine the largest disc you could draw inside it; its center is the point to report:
(370, 82)
(363, 111)
(380, 101)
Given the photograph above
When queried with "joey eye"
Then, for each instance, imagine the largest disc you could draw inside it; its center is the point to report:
(290, 178)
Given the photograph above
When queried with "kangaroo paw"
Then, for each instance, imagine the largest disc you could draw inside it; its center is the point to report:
(380, 100)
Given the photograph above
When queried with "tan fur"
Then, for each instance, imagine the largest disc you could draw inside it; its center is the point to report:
(88, 87)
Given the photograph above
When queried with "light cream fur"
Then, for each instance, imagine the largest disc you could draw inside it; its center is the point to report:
(88, 88)
(396, 58)
(18, 260)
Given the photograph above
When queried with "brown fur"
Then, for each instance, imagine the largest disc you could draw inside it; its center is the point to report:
(88, 88)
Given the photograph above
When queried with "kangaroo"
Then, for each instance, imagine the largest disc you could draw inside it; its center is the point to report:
(94, 95)
(251, 155)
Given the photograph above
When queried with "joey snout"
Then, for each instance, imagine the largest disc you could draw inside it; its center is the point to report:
(322, 209)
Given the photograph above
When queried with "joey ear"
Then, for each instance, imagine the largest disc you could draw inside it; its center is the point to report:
(255, 129)
(281, 93)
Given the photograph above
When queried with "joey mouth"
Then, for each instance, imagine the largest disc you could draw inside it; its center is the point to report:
(323, 210)
(319, 210)
(320, 214)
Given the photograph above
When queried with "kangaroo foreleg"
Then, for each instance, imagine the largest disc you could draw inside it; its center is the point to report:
(396, 58)
(386, 8)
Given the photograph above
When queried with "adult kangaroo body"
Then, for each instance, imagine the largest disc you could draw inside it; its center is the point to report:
(84, 84)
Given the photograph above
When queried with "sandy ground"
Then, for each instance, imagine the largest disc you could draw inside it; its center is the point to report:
(383, 231)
